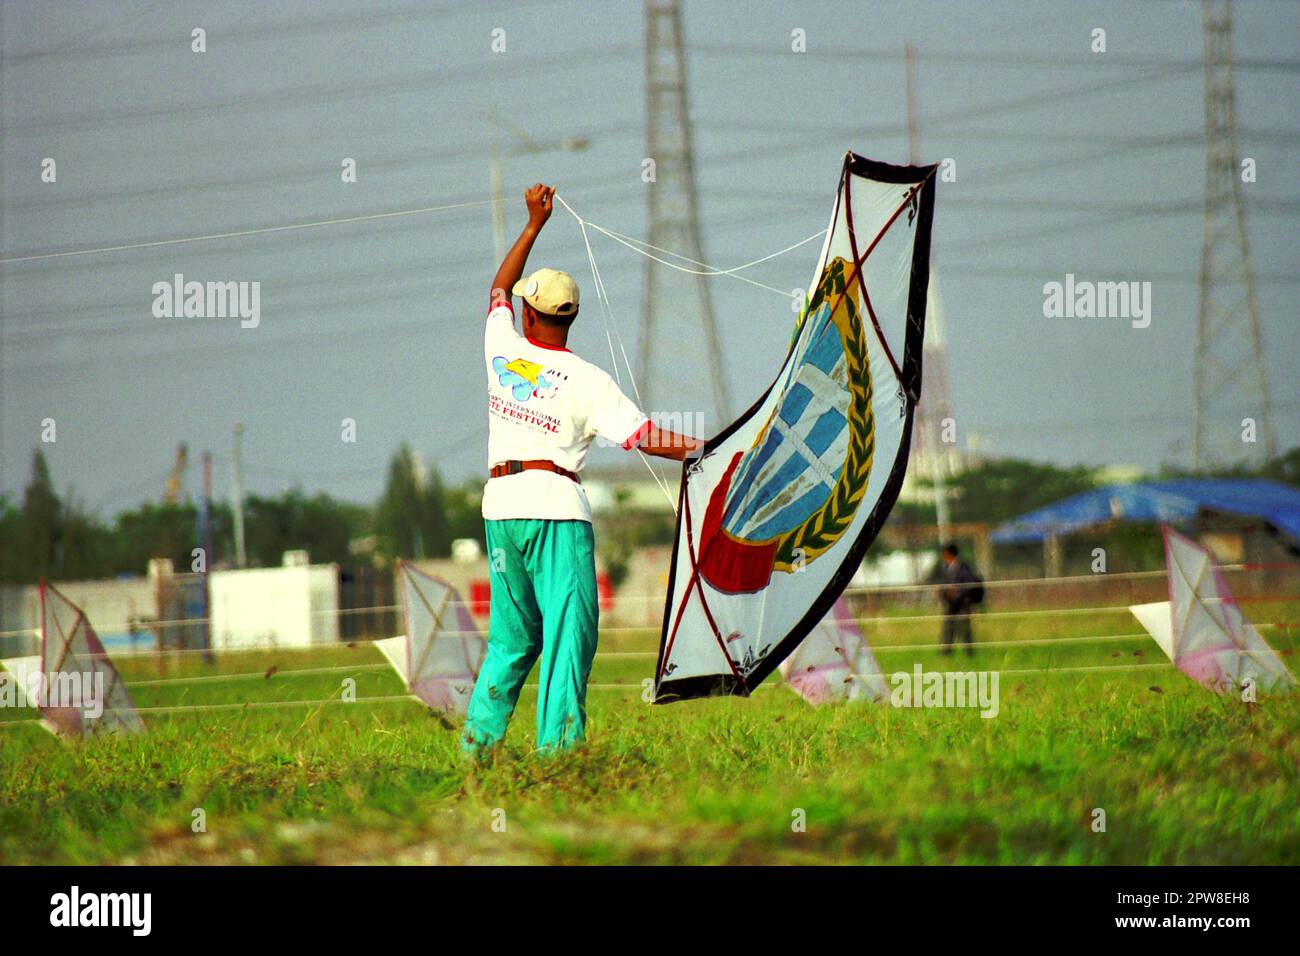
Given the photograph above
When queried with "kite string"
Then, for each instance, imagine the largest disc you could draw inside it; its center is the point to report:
(264, 230)
(639, 246)
(611, 332)
(658, 475)
(708, 270)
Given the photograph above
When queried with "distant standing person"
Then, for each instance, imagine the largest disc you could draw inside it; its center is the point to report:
(960, 590)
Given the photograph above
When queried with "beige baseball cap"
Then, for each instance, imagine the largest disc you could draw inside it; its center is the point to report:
(549, 291)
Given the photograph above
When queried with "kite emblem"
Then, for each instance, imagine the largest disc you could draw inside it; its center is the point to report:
(794, 493)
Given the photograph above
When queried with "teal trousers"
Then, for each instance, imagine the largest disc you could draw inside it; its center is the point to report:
(543, 606)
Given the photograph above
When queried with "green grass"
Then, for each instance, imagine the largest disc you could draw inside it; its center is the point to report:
(1183, 776)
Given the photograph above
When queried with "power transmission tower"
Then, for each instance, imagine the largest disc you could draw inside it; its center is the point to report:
(677, 307)
(931, 458)
(1230, 380)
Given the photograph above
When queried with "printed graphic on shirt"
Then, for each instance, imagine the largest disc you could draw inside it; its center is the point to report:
(517, 414)
(526, 379)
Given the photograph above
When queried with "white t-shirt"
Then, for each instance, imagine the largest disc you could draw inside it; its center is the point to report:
(546, 403)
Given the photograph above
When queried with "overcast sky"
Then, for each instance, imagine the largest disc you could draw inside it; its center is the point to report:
(1068, 161)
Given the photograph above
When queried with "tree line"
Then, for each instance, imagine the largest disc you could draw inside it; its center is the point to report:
(418, 515)
(46, 535)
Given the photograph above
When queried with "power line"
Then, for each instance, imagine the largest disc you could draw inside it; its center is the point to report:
(982, 269)
(389, 291)
(1009, 59)
(275, 31)
(325, 170)
(1047, 97)
(319, 94)
(1038, 137)
(1117, 273)
(264, 230)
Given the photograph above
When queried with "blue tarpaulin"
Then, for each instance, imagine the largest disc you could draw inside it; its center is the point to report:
(1172, 501)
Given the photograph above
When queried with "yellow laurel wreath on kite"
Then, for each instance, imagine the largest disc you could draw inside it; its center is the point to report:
(822, 529)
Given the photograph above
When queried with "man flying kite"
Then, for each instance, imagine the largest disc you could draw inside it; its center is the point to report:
(545, 406)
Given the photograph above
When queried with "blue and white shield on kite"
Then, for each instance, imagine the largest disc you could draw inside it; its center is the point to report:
(779, 509)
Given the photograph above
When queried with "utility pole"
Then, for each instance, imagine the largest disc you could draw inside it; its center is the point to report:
(523, 144)
(1230, 380)
(928, 458)
(205, 542)
(674, 225)
(498, 200)
(237, 487)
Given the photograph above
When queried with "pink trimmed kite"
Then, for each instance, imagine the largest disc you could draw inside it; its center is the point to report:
(1201, 627)
(834, 663)
(440, 654)
(73, 682)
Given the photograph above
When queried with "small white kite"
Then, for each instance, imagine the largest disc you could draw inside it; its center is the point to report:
(72, 682)
(834, 662)
(441, 652)
(1201, 627)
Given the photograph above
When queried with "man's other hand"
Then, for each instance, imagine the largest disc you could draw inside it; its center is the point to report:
(540, 200)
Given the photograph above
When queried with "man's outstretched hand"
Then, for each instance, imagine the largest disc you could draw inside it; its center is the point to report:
(540, 200)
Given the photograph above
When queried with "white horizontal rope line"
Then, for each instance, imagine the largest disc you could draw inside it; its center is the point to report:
(1082, 668)
(271, 704)
(1022, 642)
(143, 624)
(659, 598)
(629, 655)
(245, 705)
(265, 230)
(1009, 582)
(1048, 611)
(629, 628)
(1024, 670)
(352, 645)
(1089, 668)
(1039, 582)
(299, 671)
(250, 675)
(259, 705)
(990, 615)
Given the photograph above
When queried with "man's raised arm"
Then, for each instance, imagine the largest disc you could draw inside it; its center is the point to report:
(540, 201)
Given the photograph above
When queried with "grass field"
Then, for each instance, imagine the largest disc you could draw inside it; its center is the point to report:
(1183, 776)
